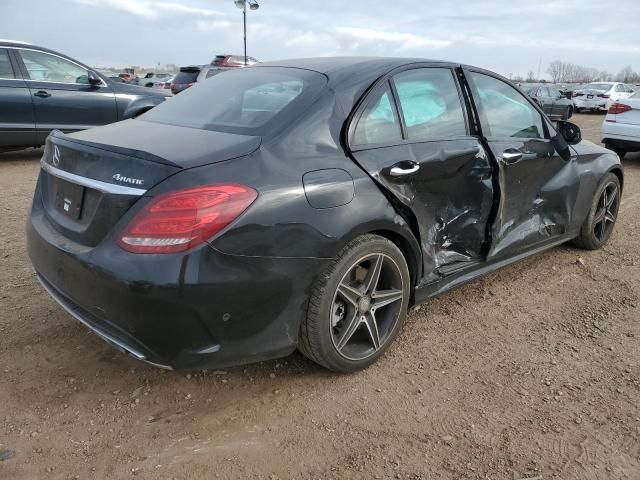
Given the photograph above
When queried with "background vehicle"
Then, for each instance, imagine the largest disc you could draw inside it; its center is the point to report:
(553, 102)
(150, 79)
(599, 95)
(129, 78)
(306, 204)
(112, 76)
(165, 84)
(621, 127)
(187, 76)
(232, 61)
(42, 90)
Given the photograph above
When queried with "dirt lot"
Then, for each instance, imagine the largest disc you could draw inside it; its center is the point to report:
(533, 372)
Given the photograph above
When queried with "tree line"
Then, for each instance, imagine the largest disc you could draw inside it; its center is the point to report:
(566, 72)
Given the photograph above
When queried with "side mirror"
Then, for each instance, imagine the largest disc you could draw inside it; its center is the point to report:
(570, 132)
(94, 79)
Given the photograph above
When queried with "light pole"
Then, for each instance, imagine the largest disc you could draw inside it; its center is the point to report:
(242, 4)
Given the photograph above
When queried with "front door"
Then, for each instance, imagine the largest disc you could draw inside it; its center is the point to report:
(62, 96)
(538, 189)
(17, 123)
(413, 137)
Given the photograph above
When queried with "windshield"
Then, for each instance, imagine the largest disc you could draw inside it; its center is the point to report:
(244, 101)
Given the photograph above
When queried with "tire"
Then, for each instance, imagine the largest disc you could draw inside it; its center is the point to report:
(569, 112)
(345, 315)
(598, 226)
(577, 110)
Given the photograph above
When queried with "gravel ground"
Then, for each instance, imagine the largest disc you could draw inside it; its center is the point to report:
(532, 372)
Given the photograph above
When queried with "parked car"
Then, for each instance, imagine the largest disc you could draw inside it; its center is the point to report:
(307, 204)
(166, 83)
(114, 77)
(150, 79)
(130, 78)
(42, 90)
(621, 127)
(187, 76)
(599, 96)
(232, 61)
(554, 103)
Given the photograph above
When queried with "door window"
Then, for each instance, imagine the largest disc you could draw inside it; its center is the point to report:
(43, 67)
(620, 88)
(430, 104)
(507, 113)
(543, 92)
(379, 122)
(6, 71)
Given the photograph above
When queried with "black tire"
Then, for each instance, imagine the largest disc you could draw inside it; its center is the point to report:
(569, 112)
(598, 226)
(577, 110)
(323, 331)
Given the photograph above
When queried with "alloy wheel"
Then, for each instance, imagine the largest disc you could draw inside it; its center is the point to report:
(606, 212)
(366, 306)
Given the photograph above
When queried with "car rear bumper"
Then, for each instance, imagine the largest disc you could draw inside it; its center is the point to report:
(201, 309)
(590, 103)
(623, 135)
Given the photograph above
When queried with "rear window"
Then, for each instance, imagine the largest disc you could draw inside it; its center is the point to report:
(598, 86)
(247, 101)
(6, 71)
(188, 76)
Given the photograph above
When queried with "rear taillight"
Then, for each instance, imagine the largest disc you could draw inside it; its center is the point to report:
(180, 220)
(618, 108)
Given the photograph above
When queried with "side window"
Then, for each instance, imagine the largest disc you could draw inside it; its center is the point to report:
(379, 122)
(430, 104)
(507, 113)
(6, 71)
(619, 88)
(43, 67)
(543, 92)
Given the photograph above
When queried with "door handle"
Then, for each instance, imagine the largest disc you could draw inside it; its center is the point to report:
(42, 94)
(511, 156)
(404, 168)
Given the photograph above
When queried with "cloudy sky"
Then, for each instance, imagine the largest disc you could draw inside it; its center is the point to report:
(508, 36)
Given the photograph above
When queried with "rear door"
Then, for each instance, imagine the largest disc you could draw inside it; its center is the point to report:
(17, 121)
(544, 99)
(560, 104)
(412, 135)
(62, 96)
(538, 188)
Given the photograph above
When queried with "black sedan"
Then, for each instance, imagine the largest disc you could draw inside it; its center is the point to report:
(42, 90)
(553, 102)
(306, 204)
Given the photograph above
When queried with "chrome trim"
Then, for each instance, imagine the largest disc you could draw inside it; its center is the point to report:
(75, 315)
(91, 183)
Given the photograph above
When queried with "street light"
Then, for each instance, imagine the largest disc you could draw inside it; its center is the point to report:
(242, 5)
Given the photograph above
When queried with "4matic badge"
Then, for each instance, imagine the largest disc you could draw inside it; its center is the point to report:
(130, 180)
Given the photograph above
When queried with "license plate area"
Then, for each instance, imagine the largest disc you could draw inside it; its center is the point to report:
(69, 198)
(589, 96)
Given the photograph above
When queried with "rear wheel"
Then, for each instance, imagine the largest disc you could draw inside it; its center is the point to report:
(598, 226)
(569, 112)
(357, 306)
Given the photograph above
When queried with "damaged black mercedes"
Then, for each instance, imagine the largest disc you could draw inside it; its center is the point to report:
(306, 204)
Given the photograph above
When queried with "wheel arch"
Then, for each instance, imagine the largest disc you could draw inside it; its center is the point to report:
(410, 254)
(617, 171)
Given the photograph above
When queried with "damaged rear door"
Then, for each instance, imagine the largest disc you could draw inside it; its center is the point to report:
(413, 137)
(537, 188)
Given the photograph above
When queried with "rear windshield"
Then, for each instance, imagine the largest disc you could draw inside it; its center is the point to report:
(598, 86)
(249, 101)
(186, 77)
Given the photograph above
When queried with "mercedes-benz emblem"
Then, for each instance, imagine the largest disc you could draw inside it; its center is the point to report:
(56, 156)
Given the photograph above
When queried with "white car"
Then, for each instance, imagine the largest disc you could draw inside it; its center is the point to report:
(621, 127)
(151, 78)
(599, 95)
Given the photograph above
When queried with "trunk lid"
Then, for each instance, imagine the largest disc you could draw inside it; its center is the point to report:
(90, 179)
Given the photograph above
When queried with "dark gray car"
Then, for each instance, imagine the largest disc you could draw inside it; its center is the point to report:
(42, 90)
(552, 101)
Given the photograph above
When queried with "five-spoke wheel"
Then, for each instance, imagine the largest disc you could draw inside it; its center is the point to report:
(599, 224)
(357, 306)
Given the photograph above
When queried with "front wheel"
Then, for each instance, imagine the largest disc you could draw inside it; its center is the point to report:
(357, 306)
(598, 226)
